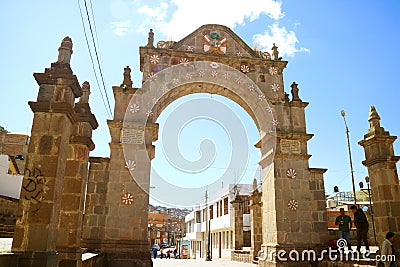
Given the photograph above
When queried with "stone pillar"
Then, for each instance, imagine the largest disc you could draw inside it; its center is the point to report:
(94, 220)
(292, 192)
(256, 222)
(381, 163)
(73, 195)
(54, 120)
(237, 217)
(125, 240)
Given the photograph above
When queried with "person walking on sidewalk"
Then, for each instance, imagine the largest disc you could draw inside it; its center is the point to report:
(345, 224)
(361, 222)
(388, 252)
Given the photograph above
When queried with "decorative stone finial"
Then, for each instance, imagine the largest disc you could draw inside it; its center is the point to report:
(236, 192)
(275, 52)
(65, 51)
(374, 119)
(150, 39)
(295, 92)
(85, 93)
(287, 98)
(127, 77)
(255, 184)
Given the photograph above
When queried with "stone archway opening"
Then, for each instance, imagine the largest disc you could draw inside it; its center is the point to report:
(168, 85)
(201, 147)
(157, 93)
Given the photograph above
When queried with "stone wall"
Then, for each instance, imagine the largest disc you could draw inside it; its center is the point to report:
(241, 256)
(8, 215)
(13, 144)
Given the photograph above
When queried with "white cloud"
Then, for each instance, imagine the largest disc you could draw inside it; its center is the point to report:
(284, 39)
(175, 19)
(158, 13)
(188, 16)
(120, 28)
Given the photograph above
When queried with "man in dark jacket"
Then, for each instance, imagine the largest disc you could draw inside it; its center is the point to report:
(361, 222)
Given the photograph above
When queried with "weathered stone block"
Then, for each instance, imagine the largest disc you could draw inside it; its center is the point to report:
(45, 144)
(72, 168)
(395, 208)
(70, 202)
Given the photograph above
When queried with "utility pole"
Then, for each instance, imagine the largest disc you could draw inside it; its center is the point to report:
(208, 256)
(351, 162)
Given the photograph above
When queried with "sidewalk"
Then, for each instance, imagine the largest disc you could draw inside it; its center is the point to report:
(198, 263)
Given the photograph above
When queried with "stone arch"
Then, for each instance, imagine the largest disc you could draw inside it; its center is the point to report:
(168, 85)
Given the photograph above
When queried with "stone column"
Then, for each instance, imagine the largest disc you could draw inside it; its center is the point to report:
(256, 222)
(237, 217)
(381, 163)
(73, 195)
(54, 120)
(94, 219)
(292, 192)
(125, 240)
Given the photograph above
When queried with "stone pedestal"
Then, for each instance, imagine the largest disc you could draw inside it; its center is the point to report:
(381, 163)
(237, 217)
(54, 120)
(255, 222)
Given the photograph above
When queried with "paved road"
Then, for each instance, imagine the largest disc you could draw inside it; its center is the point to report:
(198, 263)
(5, 246)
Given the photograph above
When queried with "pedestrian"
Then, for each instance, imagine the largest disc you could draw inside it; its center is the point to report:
(155, 252)
(175, 251)
(161, 253)
(345, 224)
(168, 254)
(388, 252)
(361, 222)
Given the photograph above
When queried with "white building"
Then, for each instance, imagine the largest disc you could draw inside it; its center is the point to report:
(10, 184)
(220, 223)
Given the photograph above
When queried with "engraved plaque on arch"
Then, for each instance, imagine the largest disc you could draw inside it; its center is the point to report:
(132, 136)
(290, 146)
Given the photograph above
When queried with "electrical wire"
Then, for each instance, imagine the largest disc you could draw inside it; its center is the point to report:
(94, 24)
(91, 58)
(97, 55)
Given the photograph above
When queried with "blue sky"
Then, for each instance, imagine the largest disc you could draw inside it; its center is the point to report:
(343, 55)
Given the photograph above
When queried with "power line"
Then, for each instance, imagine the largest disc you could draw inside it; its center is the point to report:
(97, 56)
(94, 23)
(91, 58)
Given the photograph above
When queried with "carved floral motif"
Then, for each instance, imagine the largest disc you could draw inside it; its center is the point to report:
(293, 204)
(127, 199)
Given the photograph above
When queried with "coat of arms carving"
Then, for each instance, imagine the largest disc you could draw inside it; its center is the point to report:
(215, 43)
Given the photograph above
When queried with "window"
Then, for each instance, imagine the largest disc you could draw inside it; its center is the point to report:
(218, 214)
(220, 207)
(225, 205)
(198, 218)
(211, 212)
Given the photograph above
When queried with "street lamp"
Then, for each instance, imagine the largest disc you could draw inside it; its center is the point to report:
(370, 204)
(351, 162)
